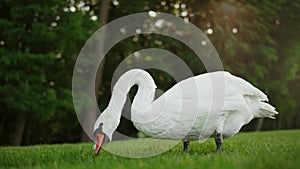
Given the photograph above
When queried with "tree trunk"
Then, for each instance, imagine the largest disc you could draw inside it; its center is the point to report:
(297, 122)
(20, 125)
(103, 15)
(259, 124)
(279, 122)
(3, 119)
(27, 133)
(267, 78)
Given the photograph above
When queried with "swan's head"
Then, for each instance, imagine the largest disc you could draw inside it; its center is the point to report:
(103, 132)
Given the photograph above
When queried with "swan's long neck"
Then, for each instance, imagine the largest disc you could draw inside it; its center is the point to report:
(142, 100)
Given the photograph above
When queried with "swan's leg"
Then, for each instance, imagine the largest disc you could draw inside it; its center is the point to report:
(218, 140)
(186, 145)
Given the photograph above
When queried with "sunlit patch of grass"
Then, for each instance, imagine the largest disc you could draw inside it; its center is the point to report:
(275, 149)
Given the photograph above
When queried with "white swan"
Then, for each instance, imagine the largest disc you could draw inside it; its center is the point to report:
(212, 104)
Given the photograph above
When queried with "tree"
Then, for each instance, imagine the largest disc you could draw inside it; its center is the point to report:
(39, 42)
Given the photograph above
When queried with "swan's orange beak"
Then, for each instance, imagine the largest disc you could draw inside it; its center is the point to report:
(98, 143)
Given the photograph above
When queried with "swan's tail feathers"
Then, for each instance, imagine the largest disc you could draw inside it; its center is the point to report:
(255, 99)
(259, 98)
(259, 108)
(267, 110)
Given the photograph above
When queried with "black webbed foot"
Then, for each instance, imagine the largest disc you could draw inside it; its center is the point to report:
(186, 146)
(218, 140)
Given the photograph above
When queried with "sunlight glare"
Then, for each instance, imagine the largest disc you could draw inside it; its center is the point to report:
(152, 14)
(234, 30)
(210, 31)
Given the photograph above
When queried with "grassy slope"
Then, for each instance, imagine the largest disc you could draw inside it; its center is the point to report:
(276, 149)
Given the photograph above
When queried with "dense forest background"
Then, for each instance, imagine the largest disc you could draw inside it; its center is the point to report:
(40, 40)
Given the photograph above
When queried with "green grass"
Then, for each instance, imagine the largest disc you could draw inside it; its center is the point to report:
(275, 149)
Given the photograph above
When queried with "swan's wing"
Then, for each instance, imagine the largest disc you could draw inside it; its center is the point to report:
(185, 105)
(173, 113)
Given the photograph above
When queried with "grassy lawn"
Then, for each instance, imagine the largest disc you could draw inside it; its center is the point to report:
(275, 149)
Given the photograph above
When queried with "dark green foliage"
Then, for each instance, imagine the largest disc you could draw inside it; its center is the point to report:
(40, 42)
